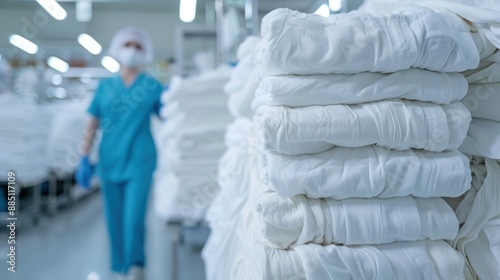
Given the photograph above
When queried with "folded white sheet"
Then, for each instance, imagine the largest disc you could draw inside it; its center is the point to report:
(299, 220)
(479, 238)
(414, 84)
(357, 42)
(223, 215)
(401, 260)
(483, 101)
(393, 124)
(483, 139)
(368, 171)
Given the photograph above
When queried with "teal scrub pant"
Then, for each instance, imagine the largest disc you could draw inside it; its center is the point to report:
(125, 207)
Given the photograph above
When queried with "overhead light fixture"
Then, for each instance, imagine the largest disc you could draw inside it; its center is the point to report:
(111, 64)
(187, 10)
(58, 64)
(53, 8)
(83, 10)
(89, 43)
(323, 10)
(23, 43)
(335, 5)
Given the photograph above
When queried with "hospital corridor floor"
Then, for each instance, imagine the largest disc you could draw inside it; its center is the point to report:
(73, 245)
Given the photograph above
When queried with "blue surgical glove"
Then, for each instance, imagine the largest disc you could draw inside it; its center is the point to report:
(84, 172)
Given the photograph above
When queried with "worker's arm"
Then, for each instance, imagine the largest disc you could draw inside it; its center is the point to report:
(89, 135)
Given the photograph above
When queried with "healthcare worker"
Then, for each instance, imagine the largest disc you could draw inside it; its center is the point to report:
(121, 109)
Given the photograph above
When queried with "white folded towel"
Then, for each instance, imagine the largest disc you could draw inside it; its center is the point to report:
(413, 84)
(284, 222)
(368, 171)
(393, 124)
(419, 260)
(357, 42)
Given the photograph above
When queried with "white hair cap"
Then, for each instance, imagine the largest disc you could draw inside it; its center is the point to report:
(4, 74)
(132, 34)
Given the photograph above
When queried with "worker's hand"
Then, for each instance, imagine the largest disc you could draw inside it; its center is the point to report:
(84, 172)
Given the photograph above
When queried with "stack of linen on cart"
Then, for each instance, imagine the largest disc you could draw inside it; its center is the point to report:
(66, 134)
(223, 215)
(358, 121)
(191, 142)
(24, 131)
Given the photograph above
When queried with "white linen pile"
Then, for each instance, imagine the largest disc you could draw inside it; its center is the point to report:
(190, 144)
(24, 133)
(66, 135)
(356, 143)
(479, 212)
(223, 215)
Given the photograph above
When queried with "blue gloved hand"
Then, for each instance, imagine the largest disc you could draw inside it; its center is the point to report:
(84, 172)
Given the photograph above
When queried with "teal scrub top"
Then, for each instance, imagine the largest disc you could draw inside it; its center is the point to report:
(127, 149)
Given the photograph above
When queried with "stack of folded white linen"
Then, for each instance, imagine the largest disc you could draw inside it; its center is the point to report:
(223, 215)
(190, 144)
(24, 132)
(479, 211)
(66, 135)
(358, 121)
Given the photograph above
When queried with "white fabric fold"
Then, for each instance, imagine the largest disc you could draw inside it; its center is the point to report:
(368, 171)
(401, 260)
(483, 101)
(393, 124)
(410, 36)
(413, 84)
(479, 238)
(483, 139)
(297, 220)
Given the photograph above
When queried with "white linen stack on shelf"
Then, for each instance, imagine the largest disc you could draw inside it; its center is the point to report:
(66, 135)
(224, 214)
(24, 132)
(190, 144)
(356, 142)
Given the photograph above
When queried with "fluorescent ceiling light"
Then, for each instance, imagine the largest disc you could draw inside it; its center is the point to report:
(89, 43)
(58, 64)
(323, 10)
(111, 64)
(23, 43)
(187, 10)
(335, 5)
(53, 8)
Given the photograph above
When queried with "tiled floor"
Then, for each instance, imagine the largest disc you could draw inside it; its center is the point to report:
(73, 245)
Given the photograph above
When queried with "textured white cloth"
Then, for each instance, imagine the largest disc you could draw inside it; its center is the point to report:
(483, 139)
(368, 171)
(24, 133)
(355, 221)
(66, 134)
(190, 144)
(393, 124)
(414, 84)
(410, 36)
(401, 260)
(483, 101)
(479, 238)
(223, 215)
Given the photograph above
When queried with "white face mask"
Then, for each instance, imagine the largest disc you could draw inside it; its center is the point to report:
(131, 57)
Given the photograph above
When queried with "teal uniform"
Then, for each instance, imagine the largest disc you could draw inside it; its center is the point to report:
(127, 159)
